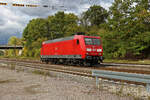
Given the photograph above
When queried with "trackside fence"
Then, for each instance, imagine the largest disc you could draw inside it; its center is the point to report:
(142, 78)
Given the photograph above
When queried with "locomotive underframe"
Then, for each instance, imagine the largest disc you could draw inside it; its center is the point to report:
(73, 60)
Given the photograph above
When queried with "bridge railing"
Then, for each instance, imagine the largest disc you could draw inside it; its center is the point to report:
(142, 78)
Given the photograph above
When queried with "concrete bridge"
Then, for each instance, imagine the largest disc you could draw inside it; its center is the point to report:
(10, 47)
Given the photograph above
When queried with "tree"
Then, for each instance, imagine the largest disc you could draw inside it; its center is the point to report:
(95, 15)
(62, 24)
(36, 28)
(39, 30)
(13, 41)
(129, 23)
(1, 53)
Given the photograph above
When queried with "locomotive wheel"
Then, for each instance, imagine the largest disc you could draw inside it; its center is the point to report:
(88, 64)
(53, 61)
(64, 61)
(46, 61)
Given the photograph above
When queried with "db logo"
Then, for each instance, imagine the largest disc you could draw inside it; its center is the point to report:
(94, 49)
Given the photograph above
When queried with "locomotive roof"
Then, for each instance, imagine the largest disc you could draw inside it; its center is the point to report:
(60, 39)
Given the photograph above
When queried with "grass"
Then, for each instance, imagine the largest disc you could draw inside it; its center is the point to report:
(120, 92)
(40, 72)
(19, 70)
(149, 98)
(8, 81)
(145, 61)
(31, 89)
(4, 81)
(12, 66)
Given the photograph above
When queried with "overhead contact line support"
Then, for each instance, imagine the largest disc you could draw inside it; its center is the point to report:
(1, 3)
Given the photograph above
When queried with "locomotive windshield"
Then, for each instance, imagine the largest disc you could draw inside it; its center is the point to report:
(92, 41)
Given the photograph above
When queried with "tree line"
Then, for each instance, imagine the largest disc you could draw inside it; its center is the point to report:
(124, 29)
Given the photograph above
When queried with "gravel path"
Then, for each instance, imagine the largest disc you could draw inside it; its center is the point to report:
(27, 86)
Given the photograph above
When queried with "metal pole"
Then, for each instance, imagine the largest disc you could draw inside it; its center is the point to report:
(97, 82)
(148, 87)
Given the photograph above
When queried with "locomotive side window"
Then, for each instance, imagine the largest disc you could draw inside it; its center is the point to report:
(92, 41)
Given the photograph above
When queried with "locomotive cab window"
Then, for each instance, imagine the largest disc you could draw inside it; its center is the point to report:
(88, 41)
(92, 41)
(96, 41)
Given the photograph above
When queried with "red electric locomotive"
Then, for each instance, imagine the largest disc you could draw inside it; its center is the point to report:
(77, 49)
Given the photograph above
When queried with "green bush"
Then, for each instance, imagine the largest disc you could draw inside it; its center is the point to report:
(1, 53)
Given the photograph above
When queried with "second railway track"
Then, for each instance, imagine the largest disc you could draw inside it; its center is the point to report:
(75, 70)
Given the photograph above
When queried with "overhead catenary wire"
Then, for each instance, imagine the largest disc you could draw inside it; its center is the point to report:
(30, 5)
(90, 2)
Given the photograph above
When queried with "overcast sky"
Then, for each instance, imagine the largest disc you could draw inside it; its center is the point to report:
(14, 19)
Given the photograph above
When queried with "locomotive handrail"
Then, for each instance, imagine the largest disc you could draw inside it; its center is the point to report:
(143, 78)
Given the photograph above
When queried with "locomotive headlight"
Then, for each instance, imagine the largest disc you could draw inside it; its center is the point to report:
(88, 49)
(99, 50)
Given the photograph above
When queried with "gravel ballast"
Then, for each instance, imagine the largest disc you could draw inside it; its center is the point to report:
(16, 85)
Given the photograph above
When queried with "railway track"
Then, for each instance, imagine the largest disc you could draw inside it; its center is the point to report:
(110, 67)
(103, 64)
(82, 71)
